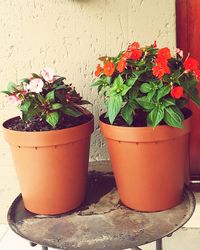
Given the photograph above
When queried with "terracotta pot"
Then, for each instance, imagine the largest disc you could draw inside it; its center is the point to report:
(51, 166)
(149, 164)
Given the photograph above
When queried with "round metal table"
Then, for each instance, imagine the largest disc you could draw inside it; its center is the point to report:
(102, 222)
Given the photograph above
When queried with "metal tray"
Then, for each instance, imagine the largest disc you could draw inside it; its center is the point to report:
(102, 222)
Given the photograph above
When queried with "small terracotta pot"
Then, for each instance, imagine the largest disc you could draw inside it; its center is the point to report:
(149, 164)
(51, 166)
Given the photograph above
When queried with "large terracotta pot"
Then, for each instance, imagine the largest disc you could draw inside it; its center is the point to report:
(51, 166)
(149, 164)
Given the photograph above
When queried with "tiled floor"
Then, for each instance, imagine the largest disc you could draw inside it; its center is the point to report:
(187, 238)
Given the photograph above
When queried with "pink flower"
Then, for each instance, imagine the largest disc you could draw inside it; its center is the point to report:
(13, 99)
(47, 74)
(35, 85)
(25, 86)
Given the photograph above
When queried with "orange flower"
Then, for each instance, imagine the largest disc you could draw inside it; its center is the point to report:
(126, 55)
(99, 70)
(121, 65)
(160, 70)
(109, 68)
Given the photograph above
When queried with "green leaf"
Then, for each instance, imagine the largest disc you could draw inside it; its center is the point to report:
(145, 88)
(125, 90)
(33, 111)
(97, 83)
(11, 87)
(24, 80)
(6, 92)
(173, 117)
(131, 81)
(61, 87)
(151, 94)
(52, 118)
(193, 94)
(168, 102)
(114, 106)
(56, 106)
(50, 96)
(155, 116)
(41, 98)
(163, 92)
(145, 102)
(118, 81)
(24, 107)
(58, 81)
(127, 113)
(71, 111)
(35, 75)
(182, 102)
(133, 92)
(118, 86)
(84, 102)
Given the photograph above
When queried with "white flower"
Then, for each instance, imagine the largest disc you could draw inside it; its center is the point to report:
(35, 85)
(47, 74)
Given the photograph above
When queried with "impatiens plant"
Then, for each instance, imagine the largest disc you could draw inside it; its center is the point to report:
(46, 98)
(147, 84)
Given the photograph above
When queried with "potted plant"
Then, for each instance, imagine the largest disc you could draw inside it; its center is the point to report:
(146, 125)
(49, 142)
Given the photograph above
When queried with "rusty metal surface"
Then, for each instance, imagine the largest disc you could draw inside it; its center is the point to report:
(102, 222)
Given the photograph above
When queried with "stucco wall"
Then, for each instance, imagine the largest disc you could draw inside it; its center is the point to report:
(69, 36)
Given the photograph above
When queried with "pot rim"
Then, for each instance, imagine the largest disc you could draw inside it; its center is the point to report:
(50, 137)
(144, 134)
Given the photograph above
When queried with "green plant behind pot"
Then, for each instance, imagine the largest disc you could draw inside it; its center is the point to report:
(147, 82)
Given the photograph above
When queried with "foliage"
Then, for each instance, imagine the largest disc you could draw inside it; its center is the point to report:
(45, 96)
(150, 80)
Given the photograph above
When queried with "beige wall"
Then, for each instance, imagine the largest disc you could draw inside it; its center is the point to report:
(69, 35)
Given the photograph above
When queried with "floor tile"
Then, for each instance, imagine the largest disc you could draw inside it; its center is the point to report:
(194, 221)
(3, 230)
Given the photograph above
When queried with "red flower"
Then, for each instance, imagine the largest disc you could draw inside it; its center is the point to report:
(99, 70)
(134, 45)
(177, 92)
(154, 44)
(160, 70)
(161, 62)
(136, 54)
(191, 64)
(164, 53)
(197, 74)
(121, 65)
(109, 68)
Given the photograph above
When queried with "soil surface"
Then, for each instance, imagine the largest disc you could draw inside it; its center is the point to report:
(139, 119)
(38, 124)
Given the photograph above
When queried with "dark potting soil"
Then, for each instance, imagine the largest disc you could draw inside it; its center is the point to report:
(139, 119)
(38, 124)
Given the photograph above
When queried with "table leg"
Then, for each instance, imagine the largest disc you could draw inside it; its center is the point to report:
(159, 244)
(32, 244)
(44, 248)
